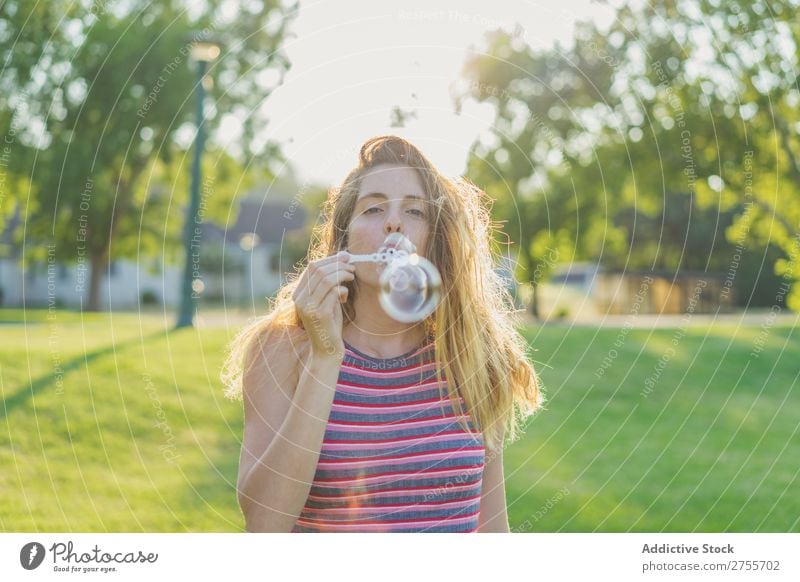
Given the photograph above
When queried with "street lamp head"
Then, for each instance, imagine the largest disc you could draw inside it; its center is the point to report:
(205, 48)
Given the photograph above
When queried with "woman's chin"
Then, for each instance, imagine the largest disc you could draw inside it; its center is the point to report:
(368, 274)
(368, 286)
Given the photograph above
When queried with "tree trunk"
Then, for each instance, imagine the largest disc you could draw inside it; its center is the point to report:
(533, 308)
(99, 256)
(97, 264)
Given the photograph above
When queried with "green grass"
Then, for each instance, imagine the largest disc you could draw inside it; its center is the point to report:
(712, 447)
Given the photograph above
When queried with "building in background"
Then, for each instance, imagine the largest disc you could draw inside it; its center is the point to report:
(581, 291)
(241, 262)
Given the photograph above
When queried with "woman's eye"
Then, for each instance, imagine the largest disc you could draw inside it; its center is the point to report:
(374, 209)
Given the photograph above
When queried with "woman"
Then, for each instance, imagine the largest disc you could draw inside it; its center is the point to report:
(340, 432)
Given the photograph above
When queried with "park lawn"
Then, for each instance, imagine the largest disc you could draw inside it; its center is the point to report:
(134, 436)
(113, 423)
(711, 446)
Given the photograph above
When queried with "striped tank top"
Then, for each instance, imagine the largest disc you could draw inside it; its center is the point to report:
(394, 457)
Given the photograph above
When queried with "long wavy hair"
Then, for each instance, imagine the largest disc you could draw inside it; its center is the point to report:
(476, 346)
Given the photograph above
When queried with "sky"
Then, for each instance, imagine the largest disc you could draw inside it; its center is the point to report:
(353, 62)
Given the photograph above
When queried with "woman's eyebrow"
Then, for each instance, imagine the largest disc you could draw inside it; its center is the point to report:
(384, 196)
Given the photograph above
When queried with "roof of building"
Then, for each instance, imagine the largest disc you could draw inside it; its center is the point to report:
(259, 214)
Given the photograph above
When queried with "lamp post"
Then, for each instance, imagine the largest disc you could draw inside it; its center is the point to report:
(247, 243)
(203, 52)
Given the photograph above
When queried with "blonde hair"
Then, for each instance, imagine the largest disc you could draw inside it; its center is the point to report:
(477, 347)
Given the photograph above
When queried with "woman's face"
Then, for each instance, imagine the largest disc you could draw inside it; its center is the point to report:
(391, 199)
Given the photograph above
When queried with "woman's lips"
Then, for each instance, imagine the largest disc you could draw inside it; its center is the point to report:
(397, 240)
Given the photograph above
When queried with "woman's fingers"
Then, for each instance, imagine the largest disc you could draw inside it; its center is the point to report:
(336, 294)
(318, 295)
(323, 278)
(328, 303)
(307, 278)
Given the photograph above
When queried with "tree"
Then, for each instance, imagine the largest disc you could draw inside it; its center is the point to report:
(721, 90)
(30, 37)
(528, 162)
(676, 98)
(122, 113)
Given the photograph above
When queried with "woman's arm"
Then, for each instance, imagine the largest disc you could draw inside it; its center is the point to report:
(493, 516)
(287, 401)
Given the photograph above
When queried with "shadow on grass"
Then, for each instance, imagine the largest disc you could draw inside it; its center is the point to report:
(22, 395)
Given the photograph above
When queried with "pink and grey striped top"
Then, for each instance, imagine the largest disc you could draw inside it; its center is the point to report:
(394, 457)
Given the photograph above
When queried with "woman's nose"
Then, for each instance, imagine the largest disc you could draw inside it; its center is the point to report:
(392, 224)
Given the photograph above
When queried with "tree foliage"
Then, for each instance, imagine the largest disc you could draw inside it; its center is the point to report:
(667, 140)
(106, 95)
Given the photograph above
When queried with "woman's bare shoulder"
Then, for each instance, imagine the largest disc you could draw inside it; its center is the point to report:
(285, 343)
(278, 351)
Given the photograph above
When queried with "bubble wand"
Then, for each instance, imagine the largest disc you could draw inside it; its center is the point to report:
(410, 285)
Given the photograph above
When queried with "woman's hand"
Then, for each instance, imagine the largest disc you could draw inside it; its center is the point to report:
(318, 298)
